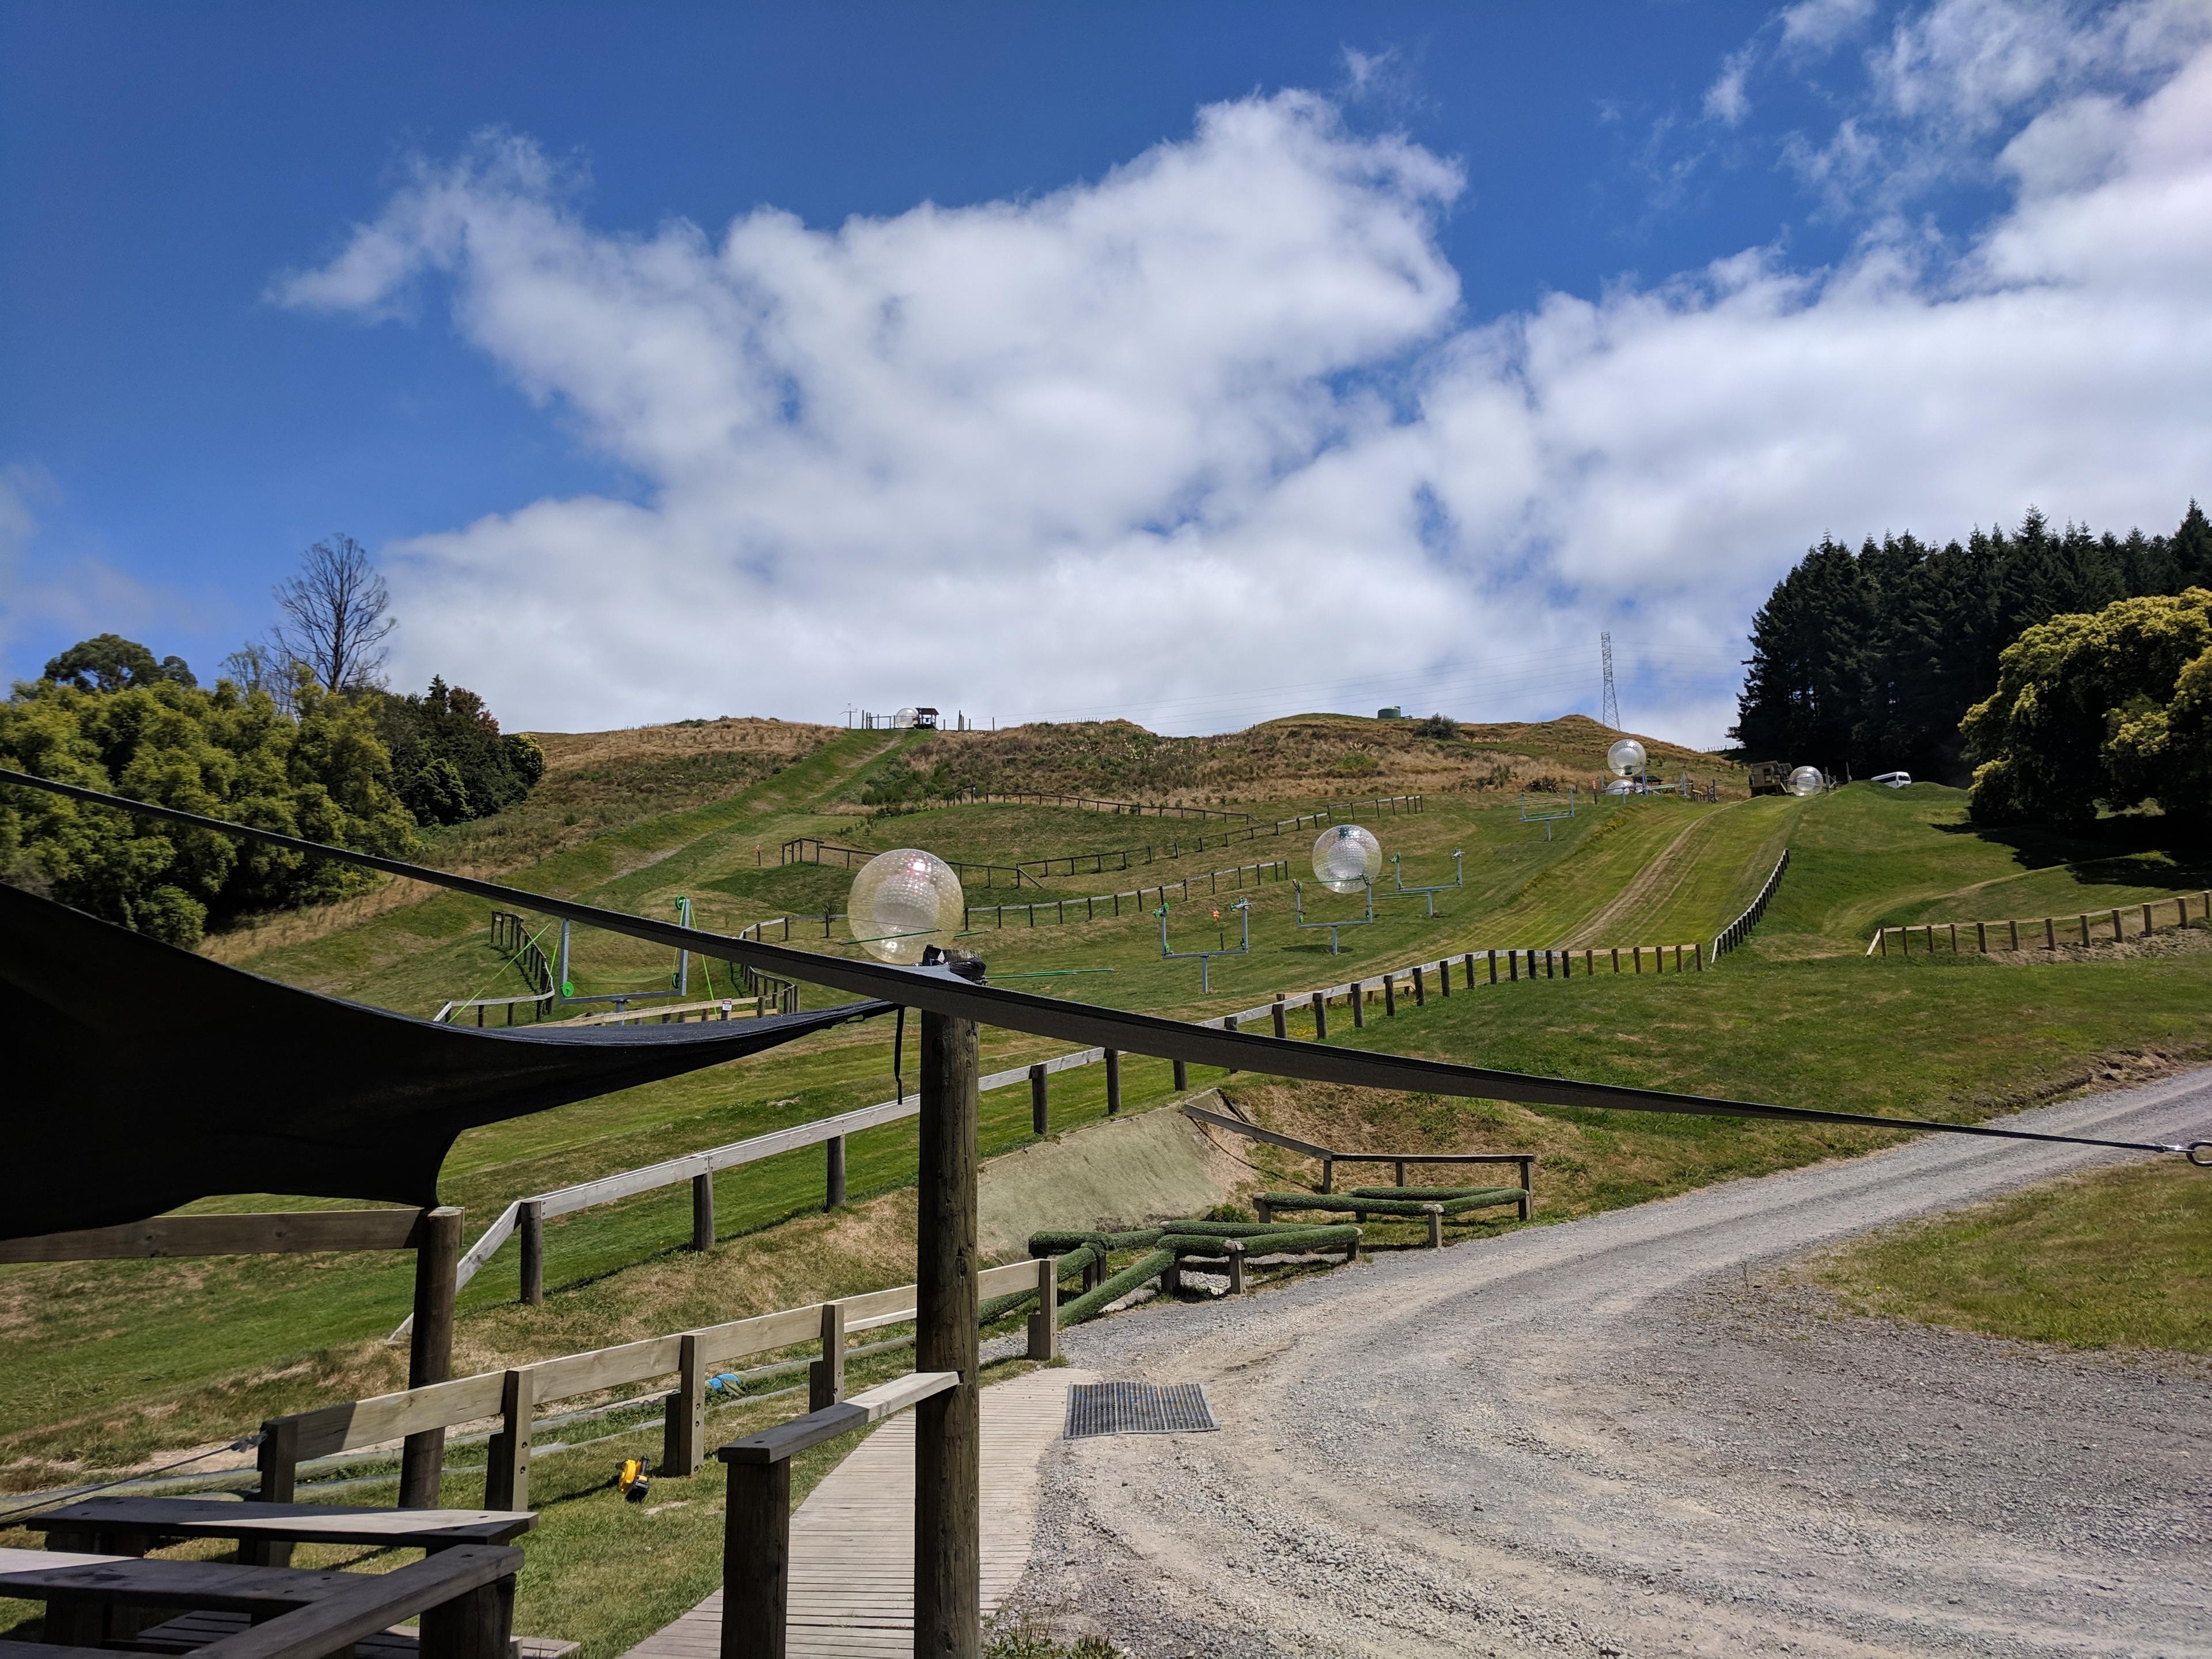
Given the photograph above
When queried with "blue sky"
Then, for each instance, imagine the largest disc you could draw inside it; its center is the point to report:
(444, 278)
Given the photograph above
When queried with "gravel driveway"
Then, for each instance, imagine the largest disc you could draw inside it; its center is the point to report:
(1638, 1434)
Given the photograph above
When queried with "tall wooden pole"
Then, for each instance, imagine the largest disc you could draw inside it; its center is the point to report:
(431, 1349)
(948, 1591)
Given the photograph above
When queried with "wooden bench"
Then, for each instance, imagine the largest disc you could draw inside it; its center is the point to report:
(465, 1594)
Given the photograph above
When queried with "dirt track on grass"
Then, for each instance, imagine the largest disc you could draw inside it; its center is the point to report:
(1637, 1434)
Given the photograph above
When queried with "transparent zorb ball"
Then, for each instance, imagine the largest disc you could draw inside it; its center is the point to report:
(903, 902)
(1626, 758)
(1346, 858)
(1806, 781)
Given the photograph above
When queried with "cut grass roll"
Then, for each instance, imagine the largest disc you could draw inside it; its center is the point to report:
(1148, 1265)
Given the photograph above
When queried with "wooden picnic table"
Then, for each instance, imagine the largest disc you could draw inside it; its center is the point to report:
(465, 1594)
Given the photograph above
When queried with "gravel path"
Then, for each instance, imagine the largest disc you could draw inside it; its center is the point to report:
(1637, 1434)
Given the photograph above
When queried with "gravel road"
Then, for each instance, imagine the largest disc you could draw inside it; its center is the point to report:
(1640, 1434)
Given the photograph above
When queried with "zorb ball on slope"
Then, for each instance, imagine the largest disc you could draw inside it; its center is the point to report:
(1626, 758)
(1806, 781)
(1346, 858)
(902, 903)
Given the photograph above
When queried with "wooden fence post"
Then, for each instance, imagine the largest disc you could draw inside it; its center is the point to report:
(278, 1458)
(1321, 1017)
(1358, 1004)
(1389, 995)
(1421, 990)
(1040, 1100)
(2117, 934)
(431, 1348)
(756, 1560)
(1616, 958)
(684, 1424)
(833, 1183)
(1113, 1083)
(1281, 1013)
(507, 1470)
(1470, 971)
(1982, 937)
(2085, 930)
(530, 1223)
(1182, 1075)
(947, 1540)
(702, 1210)
(825, 1377)
(1512, 967)
(1044, 1323)
(1492, 955)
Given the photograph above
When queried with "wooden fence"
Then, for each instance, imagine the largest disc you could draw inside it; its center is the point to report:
(2043, 933)
(811, 849)
(1739, 930)
(511, 1397)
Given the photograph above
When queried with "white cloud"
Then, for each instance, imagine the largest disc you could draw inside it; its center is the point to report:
(1726, 100)
(1215, 423)
(1819, 26)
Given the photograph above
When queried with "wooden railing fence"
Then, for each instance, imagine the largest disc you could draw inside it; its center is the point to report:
(2084, 927)
(511, 1395)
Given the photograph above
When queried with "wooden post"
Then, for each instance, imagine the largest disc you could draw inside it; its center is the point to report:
(684, 1424)
(1401, 1171)
(1113, 1085)
(1512, 967)
(2117, 934)
(1044, 1323)
(702, 1210)
(1698, 955)
(1421, 990)
(1358, 1004)
(1182, 1075)
(1041, 1100)
(1435, 1215)
(2050, 932)
(530, 1223)
(1389, 995)
(825, 1377)
(1982, 937)
(1528, 1185)
(947, 1543)
(279, 1461)
(506, 1471)
(1636, 956)
(2085, 930)
(1616, 958)
(1235, 1247)
(1470, 971)
(1328, 1176)
(1321, 1017)
(756, 1560)
(1493, 967)
(833, 1184)
(1281, 1012)
(431, 1349)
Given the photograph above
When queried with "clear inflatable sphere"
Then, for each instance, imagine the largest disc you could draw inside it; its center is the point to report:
(1346, 858)
(1626, 758)
(902, 903)
(1806, 781)
(905, 719)
(1621, 787)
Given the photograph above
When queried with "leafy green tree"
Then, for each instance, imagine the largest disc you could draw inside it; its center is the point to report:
(2113, 707)
(449, 758)
(320, 773)
(109, 662)
(1869, 661)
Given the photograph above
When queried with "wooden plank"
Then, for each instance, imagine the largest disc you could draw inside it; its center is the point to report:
(156, 1581)
(760, 1334)
(386, 1417)
(1253, 1131)
(608, 1368)
(369, 1603)
(316, 1523)
(276, 1234)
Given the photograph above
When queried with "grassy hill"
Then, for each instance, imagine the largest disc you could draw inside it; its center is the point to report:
(115, 1361)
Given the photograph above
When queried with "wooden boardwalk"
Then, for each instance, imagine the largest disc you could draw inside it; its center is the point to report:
(851, 1540)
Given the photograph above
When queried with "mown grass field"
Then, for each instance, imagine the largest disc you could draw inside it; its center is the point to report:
(2119, 1259)
(115, 1363)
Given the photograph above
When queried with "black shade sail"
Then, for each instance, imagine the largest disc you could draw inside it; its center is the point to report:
(135, 1077)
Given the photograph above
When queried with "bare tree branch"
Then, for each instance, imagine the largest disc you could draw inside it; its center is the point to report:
(335, 617)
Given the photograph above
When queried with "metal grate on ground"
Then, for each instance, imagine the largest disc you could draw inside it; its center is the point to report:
(1138, 1408)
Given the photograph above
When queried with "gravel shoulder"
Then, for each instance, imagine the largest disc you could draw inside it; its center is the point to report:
(1644, 1433)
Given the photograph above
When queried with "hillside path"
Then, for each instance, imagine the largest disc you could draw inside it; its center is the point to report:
(1640, 1433)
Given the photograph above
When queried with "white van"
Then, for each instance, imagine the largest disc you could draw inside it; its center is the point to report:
(1894, 780)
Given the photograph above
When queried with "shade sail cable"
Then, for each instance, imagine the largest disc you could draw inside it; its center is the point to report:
(936, 990)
